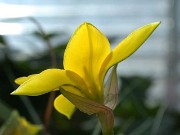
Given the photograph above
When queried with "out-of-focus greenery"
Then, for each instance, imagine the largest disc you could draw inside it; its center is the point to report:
(16, 125)
(132, 116)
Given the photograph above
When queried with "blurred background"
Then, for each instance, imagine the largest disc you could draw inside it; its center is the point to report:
(148, 80)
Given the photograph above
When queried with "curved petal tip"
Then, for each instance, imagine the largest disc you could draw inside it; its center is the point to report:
(64, 106)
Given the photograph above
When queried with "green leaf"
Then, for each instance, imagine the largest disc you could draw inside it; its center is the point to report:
(2, 40)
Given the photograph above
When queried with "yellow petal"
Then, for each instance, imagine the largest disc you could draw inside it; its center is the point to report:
(17, 125)
(128, 46)
(74, 90)
(64, 106)
(30, 129)
(85, 52)
(21, 80)
(46, 81)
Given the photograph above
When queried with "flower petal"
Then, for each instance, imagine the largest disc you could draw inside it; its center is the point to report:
(31, 129)
(47, 81)
(111, 90)
(64, 106)
(85, 52)
(21, 80)
(128, 46)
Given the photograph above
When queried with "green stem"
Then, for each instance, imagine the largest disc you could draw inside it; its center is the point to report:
(106, 119)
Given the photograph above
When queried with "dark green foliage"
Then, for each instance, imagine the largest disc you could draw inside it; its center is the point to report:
(2, 40)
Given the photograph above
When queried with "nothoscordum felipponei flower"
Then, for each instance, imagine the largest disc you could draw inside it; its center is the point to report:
(87, 59)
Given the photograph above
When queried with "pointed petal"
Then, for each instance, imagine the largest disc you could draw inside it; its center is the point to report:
(21, 80)
(128, 46)
(47, 81)
(64, 106)
(111, 90)
(85, 52)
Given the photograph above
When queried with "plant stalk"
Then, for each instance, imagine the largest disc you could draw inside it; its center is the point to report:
(49, 108)
(107, 122)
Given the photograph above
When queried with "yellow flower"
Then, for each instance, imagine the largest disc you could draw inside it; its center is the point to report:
(87, 59)
(17, 125)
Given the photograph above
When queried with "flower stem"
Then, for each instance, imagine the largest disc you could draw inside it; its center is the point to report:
(107, 122)
(104, 113)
